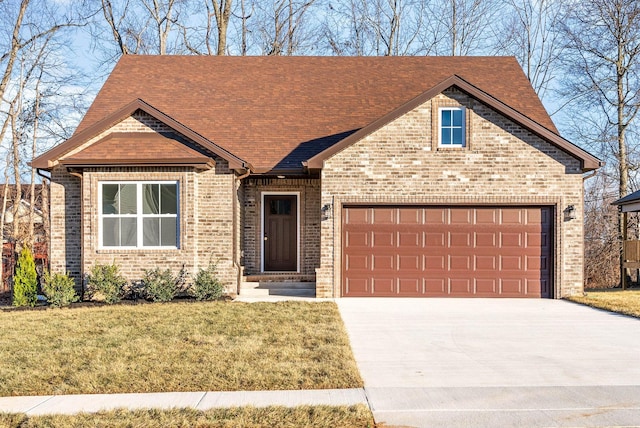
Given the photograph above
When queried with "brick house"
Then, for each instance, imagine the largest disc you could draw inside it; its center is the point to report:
(403, 176)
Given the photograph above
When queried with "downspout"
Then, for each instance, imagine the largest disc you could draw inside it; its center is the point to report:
(588, 176)
(236, 253)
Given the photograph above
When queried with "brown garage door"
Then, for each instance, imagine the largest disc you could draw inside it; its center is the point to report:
(447, 251)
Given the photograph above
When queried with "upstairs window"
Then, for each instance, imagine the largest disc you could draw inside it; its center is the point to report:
(452, 125)
(139, 214)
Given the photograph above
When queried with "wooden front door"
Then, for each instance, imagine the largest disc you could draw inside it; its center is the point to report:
(280, 233)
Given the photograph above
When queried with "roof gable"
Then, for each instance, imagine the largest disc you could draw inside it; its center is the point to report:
(54, 156)
(588, 161)
(276, 112)
(139, 148)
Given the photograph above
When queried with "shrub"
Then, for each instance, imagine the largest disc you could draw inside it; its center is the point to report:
(25, 280)
(206, 285)
(59, 289)
(105, 283)
(161, 286)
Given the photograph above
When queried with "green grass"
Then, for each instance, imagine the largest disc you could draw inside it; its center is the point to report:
(303, 416)
(625, 302)
(185, 346)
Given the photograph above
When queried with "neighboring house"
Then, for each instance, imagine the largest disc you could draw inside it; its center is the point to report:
(400, 176)
(9, 254)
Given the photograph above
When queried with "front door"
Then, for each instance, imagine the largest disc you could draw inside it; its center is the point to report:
(280, 233)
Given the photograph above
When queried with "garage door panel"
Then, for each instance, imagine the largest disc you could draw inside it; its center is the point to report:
(460, 286)
(355, 216)
(434, 263)
(447, 251)
(383, 239)
(486, 217)
(411, 263)
(357, 287)
(459, 239)
(510, 263)
(512, 287)
(383, 263)
(460, 216)
(511, 216)
(410, 216)
(410, 286)
(384, 286)
(410, 239)
(486, 286)
(357, 239)
(511, 239)
(436, 216)
(435, 286)
(357, 262)
(384, 216)
(486, 263)
(485, 239)
(459, 263)
(435, 239)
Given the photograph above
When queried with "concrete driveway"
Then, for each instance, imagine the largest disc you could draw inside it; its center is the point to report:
(495, 362)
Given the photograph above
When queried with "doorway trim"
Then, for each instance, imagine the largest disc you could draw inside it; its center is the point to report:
(262, 207)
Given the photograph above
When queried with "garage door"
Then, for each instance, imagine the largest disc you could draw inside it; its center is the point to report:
(447, 251)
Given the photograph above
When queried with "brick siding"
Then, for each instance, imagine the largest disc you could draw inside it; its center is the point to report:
(208, 200)
(309, 190)
(503, 163)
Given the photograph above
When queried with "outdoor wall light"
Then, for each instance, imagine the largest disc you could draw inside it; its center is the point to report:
(570, 212)
(326, 211)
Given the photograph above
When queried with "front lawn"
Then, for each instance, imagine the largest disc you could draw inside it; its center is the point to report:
(240, 417)
(188, 346)
(625, 302)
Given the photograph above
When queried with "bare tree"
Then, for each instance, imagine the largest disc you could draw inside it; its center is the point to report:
(122, 27)
(218, 11)
(463, 27)
(530, 33)
(602, 68)
(378, 27)
(286, 27)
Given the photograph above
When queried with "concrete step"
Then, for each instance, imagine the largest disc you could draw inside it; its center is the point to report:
(278, 284)
(261, 289)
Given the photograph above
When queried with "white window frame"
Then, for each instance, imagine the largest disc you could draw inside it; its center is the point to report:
(464, 126)
(140, 216)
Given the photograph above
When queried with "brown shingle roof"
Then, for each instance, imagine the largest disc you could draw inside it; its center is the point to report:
(275, 112)
(127, 148)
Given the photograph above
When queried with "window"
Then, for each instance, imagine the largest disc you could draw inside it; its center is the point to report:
(452, 127)
(139, 215)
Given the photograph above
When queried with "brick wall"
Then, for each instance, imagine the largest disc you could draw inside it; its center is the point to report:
(309, 190)
(502, 164)
(207, 203)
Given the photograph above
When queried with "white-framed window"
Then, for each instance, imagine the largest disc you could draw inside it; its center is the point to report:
(452, 125)
(139, 214)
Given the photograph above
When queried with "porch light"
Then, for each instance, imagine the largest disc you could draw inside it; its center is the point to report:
(570, 212)
(326, 211)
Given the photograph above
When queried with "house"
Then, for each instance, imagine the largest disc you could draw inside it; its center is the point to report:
(395, 176)
(23, 229)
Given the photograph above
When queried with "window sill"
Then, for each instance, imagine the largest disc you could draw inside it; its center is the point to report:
(137, 250)
(453, 148)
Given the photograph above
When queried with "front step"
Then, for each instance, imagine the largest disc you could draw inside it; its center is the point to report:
(271, 288)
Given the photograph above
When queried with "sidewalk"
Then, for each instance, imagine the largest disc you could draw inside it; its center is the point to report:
(70, 404)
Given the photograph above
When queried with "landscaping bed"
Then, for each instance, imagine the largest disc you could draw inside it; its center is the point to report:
(625, 302)
(178, 346)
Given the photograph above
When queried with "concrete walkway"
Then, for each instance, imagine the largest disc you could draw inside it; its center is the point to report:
(70, 404)
(495, 362)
